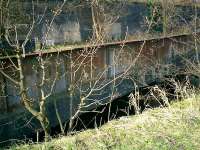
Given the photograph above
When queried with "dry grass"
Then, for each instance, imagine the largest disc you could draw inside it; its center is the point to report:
(175, 127)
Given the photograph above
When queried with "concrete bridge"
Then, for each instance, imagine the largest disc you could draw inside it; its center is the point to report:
(88, 74)
(98, 73)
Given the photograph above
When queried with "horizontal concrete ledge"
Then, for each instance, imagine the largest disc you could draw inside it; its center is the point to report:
(63, 49)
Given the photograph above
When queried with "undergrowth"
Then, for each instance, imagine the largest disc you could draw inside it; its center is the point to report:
(173, 127)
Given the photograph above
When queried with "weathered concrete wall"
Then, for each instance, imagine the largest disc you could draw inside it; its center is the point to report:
(75, 24)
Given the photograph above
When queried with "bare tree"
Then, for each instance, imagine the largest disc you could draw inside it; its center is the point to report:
(16, 73)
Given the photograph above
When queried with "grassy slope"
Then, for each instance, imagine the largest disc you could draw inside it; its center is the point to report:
(176, 127)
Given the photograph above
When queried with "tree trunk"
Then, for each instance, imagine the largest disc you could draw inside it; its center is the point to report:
(97, 22)
(40, 115)
(45, 126)
(59, 118)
